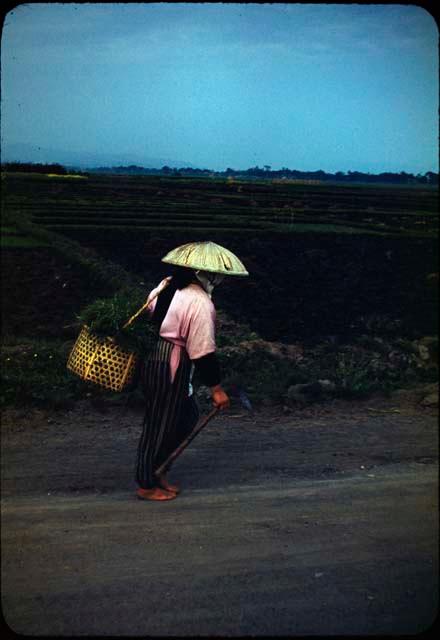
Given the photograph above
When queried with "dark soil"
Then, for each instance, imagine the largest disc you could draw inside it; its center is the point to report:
(308, 290)
(305, 286)
(41, 293)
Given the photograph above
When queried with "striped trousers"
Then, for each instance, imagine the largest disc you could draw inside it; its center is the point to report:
(170, 415)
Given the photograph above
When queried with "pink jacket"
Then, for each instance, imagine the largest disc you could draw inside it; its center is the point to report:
(189, 323)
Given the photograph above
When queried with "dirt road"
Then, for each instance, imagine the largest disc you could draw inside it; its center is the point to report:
(322, 521)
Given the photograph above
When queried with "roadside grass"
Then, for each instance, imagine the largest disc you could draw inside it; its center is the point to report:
(34, 374)
(355, 370)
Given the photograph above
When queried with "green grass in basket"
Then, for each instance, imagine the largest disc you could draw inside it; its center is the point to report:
(106, 317)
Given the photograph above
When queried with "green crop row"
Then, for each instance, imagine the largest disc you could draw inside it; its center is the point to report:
(13, 237)
(100, 230)
(258, 221)
(9, 231)
(156, 220)
(270, 227)
(159, 202)
(122, 208)
(281, 222)
(105, 217)
(21, 242)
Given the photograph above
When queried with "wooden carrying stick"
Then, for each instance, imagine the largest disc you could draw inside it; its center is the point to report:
(176, 453)
(166, 282)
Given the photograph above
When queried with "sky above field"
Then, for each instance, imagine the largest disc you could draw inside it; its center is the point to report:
(304, 86)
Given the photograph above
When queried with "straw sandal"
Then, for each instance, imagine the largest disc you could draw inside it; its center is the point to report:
(156, 493)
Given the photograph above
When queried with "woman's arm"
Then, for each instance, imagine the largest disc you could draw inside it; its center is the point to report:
(208, 369)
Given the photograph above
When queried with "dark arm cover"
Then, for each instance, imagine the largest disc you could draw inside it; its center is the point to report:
(208, 369)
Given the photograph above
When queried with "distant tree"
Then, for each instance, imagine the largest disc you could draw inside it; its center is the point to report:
(431, 177)
(31, 167)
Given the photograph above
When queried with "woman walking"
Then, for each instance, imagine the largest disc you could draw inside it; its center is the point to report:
(182, 308)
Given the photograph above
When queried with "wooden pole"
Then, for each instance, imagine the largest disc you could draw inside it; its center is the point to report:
(176, 453)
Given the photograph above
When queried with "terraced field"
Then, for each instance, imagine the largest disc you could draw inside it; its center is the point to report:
(144, 203)
(323, 259)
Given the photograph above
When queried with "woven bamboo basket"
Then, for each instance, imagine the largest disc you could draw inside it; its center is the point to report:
(102, 361)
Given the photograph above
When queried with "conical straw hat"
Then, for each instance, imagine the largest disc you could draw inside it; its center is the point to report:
(206, 256)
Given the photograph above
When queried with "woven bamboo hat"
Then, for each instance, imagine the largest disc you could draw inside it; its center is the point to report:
(206, 256)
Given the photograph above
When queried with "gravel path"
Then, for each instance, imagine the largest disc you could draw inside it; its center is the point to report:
(320, 521)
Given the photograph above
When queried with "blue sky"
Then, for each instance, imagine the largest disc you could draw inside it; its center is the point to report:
(303, 86)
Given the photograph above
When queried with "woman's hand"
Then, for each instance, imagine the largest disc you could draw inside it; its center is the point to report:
(220, 398)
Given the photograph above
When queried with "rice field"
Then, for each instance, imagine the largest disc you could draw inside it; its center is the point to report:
(328, 257)
(153, 203)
